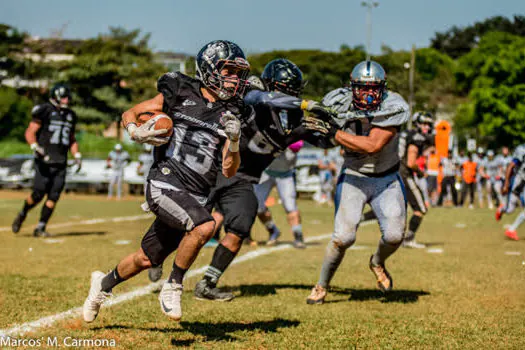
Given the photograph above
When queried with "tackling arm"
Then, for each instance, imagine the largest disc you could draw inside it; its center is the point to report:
(372, 143)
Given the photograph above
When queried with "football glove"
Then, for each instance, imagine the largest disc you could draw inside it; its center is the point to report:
(146, 133)
(317, 124)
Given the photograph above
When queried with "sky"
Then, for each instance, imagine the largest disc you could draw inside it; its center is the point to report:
(256, 25)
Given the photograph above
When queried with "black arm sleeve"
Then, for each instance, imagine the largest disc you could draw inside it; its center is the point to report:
(168, 85)
(273, 100)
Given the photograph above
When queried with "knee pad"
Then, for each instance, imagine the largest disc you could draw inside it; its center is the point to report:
(343, 241)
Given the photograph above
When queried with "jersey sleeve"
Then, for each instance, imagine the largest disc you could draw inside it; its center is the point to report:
(168, 85)
(39, 113)
(394, 111)
(272, 99)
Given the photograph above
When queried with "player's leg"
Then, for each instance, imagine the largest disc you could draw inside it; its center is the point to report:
(417, 202)
(262, 191)
(350, 200)
(390, 207)
(158, 242)
(488, 190)
(40, 188)
(119, 185)
(112, 182)
(288, 195)
(55, 188)
(239, 206)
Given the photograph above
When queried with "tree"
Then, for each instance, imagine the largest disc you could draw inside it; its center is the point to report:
(110, 73)
(457, 41)
(494, 73)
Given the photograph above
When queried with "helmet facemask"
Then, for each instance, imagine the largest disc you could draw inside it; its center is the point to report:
(231, 84)
(367, 96)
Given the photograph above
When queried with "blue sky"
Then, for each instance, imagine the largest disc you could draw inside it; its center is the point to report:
(256, 25)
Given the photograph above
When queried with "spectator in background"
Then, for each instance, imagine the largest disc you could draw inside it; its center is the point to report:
(145, 163)
(433, 162)
(117, 161)
(469, 171)
(480, 159)
(449, 179)
(327, 169)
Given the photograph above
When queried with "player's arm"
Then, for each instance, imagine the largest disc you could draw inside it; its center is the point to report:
(231, 158)
(508, 174)
(372, 143)
(144, 133)
(74, 149)
(32, 130)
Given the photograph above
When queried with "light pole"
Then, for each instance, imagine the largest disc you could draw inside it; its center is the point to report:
(369, 4)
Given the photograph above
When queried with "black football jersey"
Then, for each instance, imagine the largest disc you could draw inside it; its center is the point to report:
(412, 137)
(193, 156)
(273, 124)
(56, 127)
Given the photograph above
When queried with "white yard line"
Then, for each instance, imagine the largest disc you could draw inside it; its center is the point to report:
(93, 221)
(76, 312)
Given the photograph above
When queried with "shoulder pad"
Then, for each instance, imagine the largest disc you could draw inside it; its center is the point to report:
(394, 111)
(339, 99)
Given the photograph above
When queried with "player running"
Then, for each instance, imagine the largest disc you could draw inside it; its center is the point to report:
(413, 144)
(185, 169)
(369, 117)
(50, 134)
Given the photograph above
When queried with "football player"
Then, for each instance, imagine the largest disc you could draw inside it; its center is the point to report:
(117, 161)
(50, 134)
(412, 144)
(367, 126)
(205, 142)
(491, 170)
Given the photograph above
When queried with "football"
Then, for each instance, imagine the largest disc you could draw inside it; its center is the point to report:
(163, 122)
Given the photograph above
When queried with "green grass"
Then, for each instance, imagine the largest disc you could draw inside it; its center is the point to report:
(470, 296)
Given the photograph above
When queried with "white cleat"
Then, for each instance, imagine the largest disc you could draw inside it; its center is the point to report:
(413, 244)
(170, 298)
(95, 298)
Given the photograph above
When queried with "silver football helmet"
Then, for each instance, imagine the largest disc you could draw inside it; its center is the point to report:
(368, 82)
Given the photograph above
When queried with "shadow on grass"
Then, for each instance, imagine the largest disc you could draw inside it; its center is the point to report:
(395, 296)
(210, 331)
(75, 234)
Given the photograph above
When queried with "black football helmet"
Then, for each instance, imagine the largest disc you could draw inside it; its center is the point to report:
(368, 82)
(58, 92)
(217, 56)
(423, 118)
(284, 76)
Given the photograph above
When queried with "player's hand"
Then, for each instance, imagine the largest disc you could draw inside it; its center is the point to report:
(39, 151)
(256, 83)
(78, 161)
(318, 109)
(316, 124)
(147, 134)
(232, 126)
(505, 189)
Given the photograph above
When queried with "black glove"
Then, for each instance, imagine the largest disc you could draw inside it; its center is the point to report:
(323, 112)
(315, 123)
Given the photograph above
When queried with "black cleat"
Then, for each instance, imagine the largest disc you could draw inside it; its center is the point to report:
(299, 241)
(17, 224)
(40, 232)
(204, 292)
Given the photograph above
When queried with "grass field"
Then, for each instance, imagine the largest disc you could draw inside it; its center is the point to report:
(469, 295)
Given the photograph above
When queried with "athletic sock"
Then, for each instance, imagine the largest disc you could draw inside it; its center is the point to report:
(222, 257)
(518, 221)
(111, 280)
(27, 207)
(297, 231)
(177, 274)
(45, 215)
(383, 252)
(413, 225)
(332, 259)
(270, 226)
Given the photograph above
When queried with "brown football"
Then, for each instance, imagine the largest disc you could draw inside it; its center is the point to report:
(163, 122)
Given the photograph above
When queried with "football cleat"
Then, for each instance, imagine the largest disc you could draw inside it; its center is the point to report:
(384, 281)
(299, 241)
(499, 213)
(317, 295)
(17, 223)
(274, 236)
(413, 244)
(170, 299)
(512, 235)
(96, 297)
(203, 291)
(40, 232)
(155, 273)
